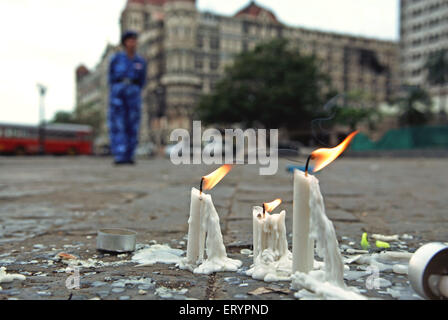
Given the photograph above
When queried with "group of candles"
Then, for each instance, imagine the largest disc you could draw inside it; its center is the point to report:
(272, 259)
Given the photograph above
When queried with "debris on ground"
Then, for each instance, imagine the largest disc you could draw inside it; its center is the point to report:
(266, 290)
(157, 253)
(66, 256)
(168, 293)
(6, 278)
(381, 237)
(382, 244)
(364, 242)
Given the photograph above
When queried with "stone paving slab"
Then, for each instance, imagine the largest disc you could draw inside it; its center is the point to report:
(50, 205)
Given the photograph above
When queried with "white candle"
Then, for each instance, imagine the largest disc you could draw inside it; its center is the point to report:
(257, 240)
(204, 234)
(322, 231)
(217, 259)
(196, 235)
(327, 283)
(269, 232)
(310, 223)
(302, 245)
(272, 259)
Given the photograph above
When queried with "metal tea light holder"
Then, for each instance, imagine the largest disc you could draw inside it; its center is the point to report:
(116, 240)
(428, 271)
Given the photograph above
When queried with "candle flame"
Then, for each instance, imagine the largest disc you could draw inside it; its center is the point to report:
(269, 207)
(325, 156)
(211, 180)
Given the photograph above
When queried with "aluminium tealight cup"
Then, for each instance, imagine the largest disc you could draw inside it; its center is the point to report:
(116, 240)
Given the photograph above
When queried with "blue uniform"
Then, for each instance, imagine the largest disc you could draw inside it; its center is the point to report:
(126, 80)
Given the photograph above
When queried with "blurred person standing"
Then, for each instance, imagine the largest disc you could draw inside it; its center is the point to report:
(127, 76)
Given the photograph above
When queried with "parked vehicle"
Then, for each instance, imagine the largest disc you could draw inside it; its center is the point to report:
(71, 139)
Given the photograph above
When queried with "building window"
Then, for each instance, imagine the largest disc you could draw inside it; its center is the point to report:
(433, 38)
(200, 41)
(213, 84)
(416, 72)
(417, 42)
(147, 18)
(214, 64)
(417, 12)
(416, 27)
(214, 43)
(199, 63)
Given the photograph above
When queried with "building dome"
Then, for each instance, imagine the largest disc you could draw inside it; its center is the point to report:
(156, 2)
(81, 71)
(192, 1)
(143, 2)
(253, 10)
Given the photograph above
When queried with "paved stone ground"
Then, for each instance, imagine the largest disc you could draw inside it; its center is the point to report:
(51, 205)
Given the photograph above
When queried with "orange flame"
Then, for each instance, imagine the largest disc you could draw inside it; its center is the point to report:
(325, 156)
(211, 180)
(269, 207)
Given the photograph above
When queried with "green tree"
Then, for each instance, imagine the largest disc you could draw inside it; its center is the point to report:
(63, 117)
(355, 110)
(415, 106)
(88, 114)
(273, 85)
(437, 66)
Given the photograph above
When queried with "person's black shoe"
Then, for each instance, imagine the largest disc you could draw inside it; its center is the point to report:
(125, 162)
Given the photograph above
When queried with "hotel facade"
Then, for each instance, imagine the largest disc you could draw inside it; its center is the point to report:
(423, 31)
(187, 52)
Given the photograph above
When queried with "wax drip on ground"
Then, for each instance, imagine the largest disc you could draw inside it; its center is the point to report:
(6, 278)
(157, 253)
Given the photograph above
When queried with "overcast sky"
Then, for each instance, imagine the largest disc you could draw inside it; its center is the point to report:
(44, 40)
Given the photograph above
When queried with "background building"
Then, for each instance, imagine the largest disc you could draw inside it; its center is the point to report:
(188, 50)
(92, 94)
(423, 31)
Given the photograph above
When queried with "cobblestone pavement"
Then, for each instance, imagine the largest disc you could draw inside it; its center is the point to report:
(52, 205)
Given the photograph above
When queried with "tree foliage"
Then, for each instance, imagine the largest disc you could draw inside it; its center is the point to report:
(415, 106)
(88, 114)
(63, 117)
(437, 67)
(355, 110)
(272, 85)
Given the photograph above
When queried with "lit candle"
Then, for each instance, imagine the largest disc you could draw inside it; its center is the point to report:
(204, 231)
(196, 234)
(302, 245)
(322, 231)
(310, 222)
(272, 259)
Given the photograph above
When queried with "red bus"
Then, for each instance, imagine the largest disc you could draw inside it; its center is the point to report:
(72, 139)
